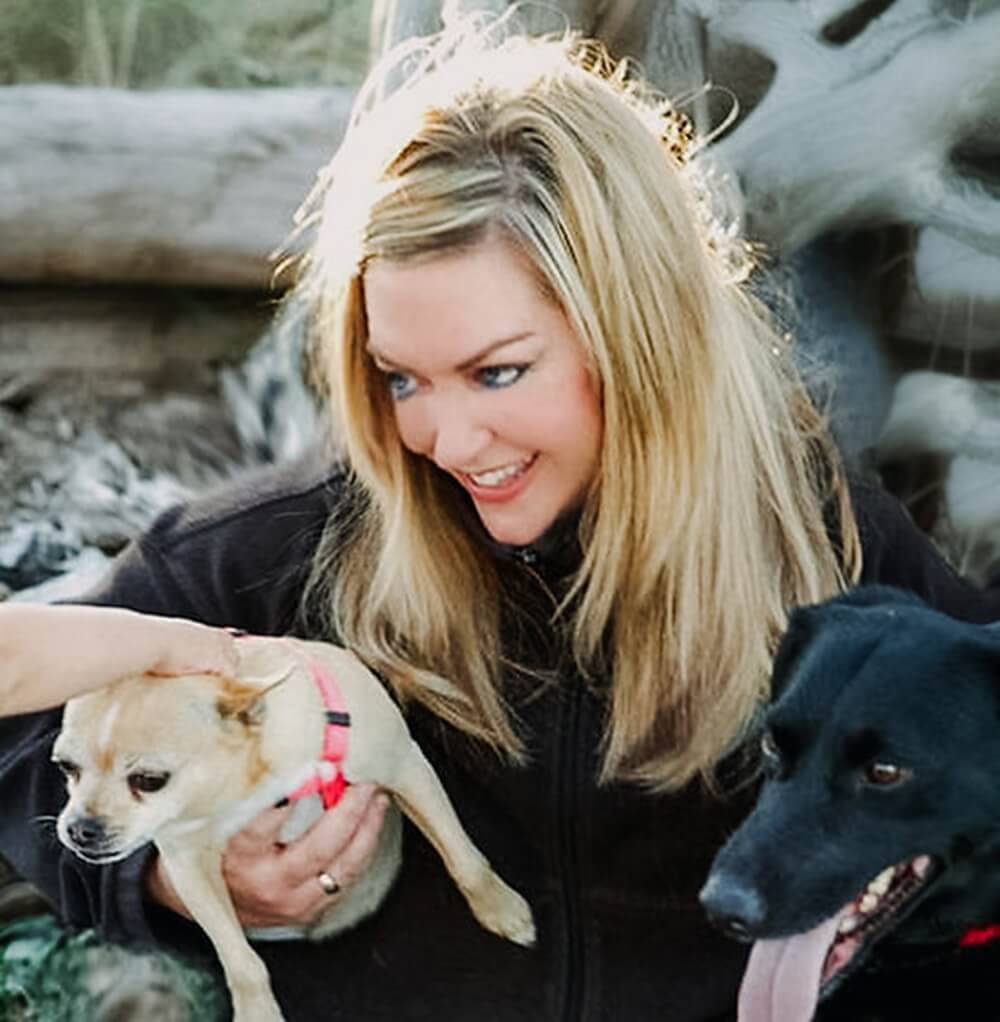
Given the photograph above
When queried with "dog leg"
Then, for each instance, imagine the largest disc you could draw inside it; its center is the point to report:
(422, 797)
(196, 874)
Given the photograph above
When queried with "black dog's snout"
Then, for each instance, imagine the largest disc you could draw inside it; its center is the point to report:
(86, 832)
(736, 910)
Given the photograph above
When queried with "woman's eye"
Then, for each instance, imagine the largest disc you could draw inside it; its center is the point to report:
(401, 385)
(500, 376)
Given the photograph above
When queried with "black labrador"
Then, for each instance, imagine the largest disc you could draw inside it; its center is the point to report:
(874, 848)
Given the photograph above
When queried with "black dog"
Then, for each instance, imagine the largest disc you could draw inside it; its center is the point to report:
(876, 836)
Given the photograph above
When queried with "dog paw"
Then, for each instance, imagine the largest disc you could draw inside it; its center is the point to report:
(503, 911)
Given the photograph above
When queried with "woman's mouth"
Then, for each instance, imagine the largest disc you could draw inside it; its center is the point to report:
(501, 483)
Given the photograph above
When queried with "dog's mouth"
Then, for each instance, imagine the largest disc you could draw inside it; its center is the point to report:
(102, 858)
(785, 978)
(876, 910)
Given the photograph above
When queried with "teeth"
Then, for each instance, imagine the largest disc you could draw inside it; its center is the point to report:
(849, 924)
(921, 864)
(498, 475)
(881, 884)
(868, 902)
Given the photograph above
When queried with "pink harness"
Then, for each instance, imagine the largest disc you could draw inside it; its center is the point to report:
(328, 782)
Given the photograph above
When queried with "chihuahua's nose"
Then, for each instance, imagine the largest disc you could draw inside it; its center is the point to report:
(738, 911)
(86, 832)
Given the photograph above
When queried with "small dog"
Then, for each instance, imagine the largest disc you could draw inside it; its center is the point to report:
(875, 840)
(186, 762)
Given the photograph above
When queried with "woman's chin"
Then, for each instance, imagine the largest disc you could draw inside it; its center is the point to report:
(512, 533)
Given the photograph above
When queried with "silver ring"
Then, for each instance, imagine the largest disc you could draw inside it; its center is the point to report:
(328, 883)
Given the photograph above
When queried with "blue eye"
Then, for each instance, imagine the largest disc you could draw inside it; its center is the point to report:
(401, 385)
(500, 376)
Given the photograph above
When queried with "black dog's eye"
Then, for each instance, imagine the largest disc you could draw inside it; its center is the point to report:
(770, 752)
(146, 783)
(68, 768)
(885, 775)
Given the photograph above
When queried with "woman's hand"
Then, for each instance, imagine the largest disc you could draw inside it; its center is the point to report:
(273, 884)
(187, 647)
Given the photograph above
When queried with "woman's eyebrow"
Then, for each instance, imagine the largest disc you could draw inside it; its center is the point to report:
(483, 353)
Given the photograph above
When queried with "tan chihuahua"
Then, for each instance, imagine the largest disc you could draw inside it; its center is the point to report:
(186, 762)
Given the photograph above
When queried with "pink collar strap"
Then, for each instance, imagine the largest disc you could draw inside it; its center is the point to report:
(328, 782)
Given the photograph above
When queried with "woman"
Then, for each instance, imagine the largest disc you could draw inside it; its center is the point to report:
(580, 487)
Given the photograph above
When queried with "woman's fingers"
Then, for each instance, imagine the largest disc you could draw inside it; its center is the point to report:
(275, 884)
(330, 835)
(262, 833)
(354, 859)
(189, 647)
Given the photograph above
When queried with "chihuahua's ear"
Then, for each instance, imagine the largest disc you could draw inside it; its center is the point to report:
(241, 703)
(245, 703)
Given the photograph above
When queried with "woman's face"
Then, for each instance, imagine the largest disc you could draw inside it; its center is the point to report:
(489, 382)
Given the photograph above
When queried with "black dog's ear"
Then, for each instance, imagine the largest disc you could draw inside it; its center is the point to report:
(803, 625)
(806, 622)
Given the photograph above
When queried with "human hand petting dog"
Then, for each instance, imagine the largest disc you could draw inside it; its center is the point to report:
(272, 883)
(49, 654)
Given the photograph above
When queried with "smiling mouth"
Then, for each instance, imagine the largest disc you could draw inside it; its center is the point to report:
(497, 478)
(785, 978)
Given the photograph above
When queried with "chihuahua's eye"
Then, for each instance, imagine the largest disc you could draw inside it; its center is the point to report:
(147, 782)
(885, 775)
(68, 768)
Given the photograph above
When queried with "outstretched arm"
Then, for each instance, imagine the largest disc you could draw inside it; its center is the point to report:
(49, 654)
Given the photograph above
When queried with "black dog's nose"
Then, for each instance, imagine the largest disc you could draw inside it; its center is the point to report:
(86, 831)
(736, 910)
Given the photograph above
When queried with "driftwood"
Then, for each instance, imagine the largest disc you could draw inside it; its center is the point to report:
(200, 186)
(868, 132)
(143, 332)
(955, 298)
(175, 187)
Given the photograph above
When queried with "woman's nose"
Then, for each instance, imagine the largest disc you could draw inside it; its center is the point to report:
(459, 436)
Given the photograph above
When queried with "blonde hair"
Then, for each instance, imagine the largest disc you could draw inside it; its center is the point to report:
(708, 516)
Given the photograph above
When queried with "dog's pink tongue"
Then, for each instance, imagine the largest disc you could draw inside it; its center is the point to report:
(781, 982)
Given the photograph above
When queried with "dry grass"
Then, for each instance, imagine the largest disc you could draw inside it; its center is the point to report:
(147, 44)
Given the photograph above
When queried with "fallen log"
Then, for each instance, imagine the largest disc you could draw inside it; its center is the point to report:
(173, 187)
(122, 332)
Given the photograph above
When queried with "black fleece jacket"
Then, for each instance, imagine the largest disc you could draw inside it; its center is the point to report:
(611, 872)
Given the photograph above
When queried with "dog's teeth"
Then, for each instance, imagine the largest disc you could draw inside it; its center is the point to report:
(849, 924)
(920, 865)
(881, 884)
(868, 902)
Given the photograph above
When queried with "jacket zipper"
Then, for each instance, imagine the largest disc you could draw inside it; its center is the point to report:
(568, 766)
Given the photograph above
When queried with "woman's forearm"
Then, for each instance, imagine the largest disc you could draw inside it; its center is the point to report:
(49, 654)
